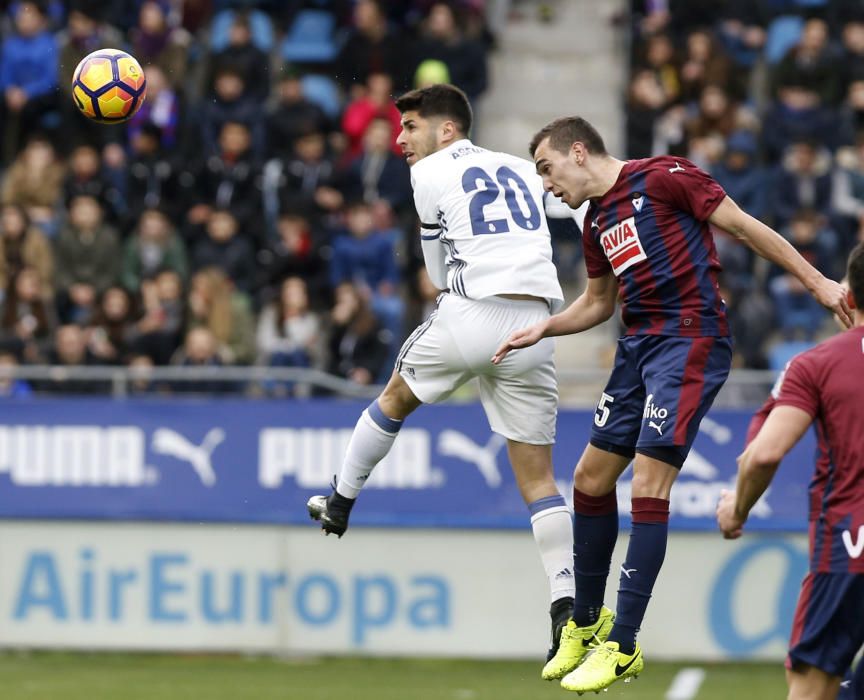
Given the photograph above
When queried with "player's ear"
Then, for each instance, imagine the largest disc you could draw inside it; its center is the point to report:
(850, 299)
(577, 150)
(448, 130)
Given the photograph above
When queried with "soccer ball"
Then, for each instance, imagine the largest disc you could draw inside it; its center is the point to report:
(108, 86)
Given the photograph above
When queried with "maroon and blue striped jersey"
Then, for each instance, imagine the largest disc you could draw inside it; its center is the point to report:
(651, 231)
(827, 382)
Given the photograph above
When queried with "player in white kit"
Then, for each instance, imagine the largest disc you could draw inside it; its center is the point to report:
(486, 242)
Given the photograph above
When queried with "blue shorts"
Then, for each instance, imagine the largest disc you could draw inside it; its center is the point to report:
(660, 389)
(829, 622)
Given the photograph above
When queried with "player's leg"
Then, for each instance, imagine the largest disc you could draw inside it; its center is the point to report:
(681, 377)
(595, 512)
(811, 683)
(551, 525)
(373, 436)
(520, 397)
(423, 374)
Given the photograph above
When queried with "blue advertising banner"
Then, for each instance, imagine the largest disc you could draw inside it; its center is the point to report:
(259, 461)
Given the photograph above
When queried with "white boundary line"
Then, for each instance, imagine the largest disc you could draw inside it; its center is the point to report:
(686, 684)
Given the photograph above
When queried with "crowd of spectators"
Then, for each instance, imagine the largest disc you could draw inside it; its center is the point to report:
(768, 96)
(256, 208)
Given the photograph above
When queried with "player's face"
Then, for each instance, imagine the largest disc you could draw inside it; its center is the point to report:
(562, 174)
(418, 138)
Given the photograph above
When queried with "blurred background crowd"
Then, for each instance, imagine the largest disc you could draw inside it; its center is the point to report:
(767, 96)
(255, 210)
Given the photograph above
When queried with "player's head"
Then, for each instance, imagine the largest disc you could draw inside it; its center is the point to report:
(855, 278)
(561, 150)
(432, 118)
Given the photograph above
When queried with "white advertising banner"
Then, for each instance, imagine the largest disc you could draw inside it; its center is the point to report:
(409, 592)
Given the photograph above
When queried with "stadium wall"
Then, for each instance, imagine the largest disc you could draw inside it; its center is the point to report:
(168, 525)
(394, 592)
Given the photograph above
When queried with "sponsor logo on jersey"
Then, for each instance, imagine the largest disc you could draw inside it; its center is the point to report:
(622, 245)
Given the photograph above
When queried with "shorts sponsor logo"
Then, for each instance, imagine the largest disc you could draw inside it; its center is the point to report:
(652, 411)
(622, 245)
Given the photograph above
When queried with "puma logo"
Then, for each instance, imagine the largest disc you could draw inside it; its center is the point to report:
(658, 428)
(173, 444)
(452, 443)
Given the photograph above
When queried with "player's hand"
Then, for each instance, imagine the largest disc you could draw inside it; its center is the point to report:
(730, 524)
(520, 339)
(832, 295)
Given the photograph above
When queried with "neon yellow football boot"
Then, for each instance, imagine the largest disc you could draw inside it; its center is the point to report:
(603, 666)
(575, 643)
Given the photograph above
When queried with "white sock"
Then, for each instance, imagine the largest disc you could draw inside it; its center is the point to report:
(552, 524)
(372, 439)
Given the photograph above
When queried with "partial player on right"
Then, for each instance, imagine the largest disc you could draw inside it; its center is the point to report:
(823, 386)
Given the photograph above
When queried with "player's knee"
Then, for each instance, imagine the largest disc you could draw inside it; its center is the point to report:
(650, 484)
(591, 480)
(397, 400)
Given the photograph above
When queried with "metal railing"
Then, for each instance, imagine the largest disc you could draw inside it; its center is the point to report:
(577, 387)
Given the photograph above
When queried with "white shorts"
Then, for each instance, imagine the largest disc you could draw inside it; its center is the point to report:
(456, 344)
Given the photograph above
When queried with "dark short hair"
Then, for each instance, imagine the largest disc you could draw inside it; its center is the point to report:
(439, 101)
(564, 132)
(855, 275)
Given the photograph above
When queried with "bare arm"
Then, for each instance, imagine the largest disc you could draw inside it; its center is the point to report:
(594, 305)
(758, 464)
(769, 244)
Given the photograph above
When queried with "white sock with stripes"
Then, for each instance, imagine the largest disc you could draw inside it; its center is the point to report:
(371, 441)
(552, 525)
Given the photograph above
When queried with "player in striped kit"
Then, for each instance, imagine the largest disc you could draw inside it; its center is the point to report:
(822, 386)
(646, 239)
(486, 241)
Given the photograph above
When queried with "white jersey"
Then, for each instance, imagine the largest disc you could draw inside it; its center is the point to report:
(487, 210)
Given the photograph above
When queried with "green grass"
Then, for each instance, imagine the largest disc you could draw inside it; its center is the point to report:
(68, 676)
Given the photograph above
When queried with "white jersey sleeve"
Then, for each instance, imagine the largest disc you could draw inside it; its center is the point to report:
(491, 217)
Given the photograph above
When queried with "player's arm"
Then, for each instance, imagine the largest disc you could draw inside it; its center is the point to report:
(426, 198)
(769, 244)
(758, 464)
(434, 254)
(595, 305)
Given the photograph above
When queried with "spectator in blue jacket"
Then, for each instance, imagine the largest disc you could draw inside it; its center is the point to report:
(28, 77)
(740, 174)
(802, 181)
(366, 257)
